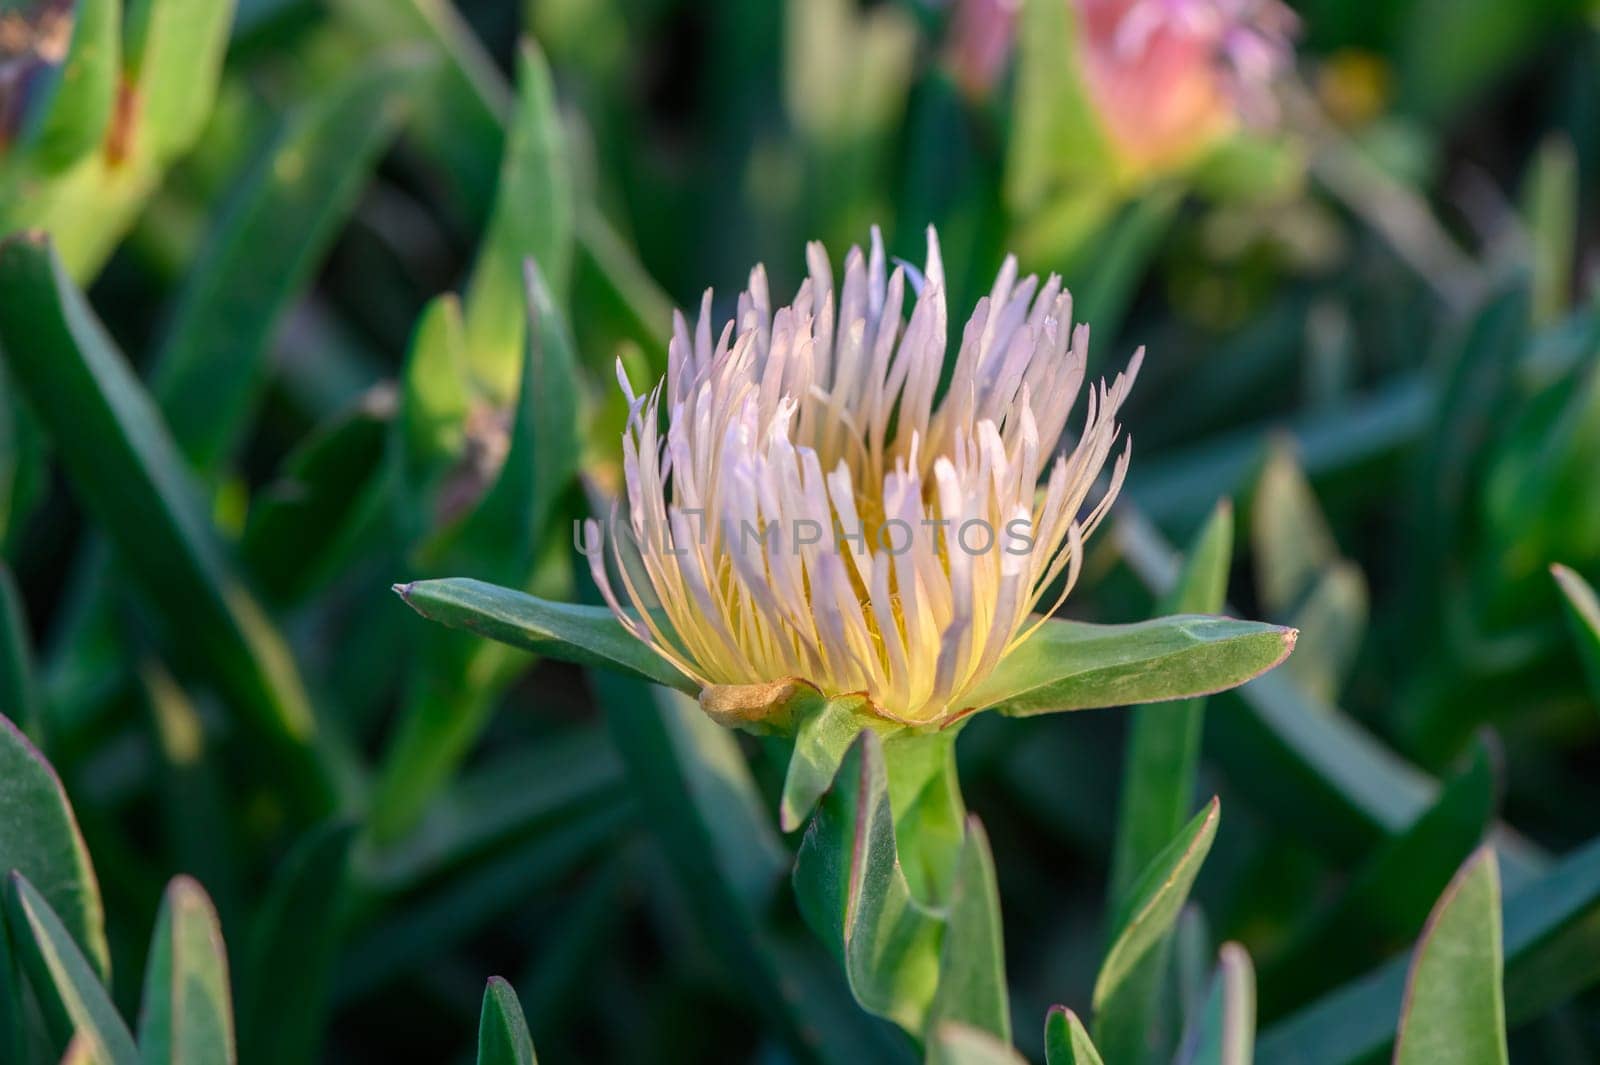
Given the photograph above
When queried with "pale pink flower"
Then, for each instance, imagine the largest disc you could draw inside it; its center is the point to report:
(1170, 77)
(912, 540)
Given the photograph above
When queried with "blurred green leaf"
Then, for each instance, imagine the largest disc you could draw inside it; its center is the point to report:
(63, 980)
(263, 249)
(435, 399)
(186, 1017)
(1552, 951)
(1550, 205)
(39, 837)
(23, 476)
(503, 1037)
(1389, 894)
(1107, 264)
(128, 474)
(554, 780)
(173, 62)
(1225, 1030)
(1475, 381)
(1290, 536)
(13, 1011)
(501, 534)
(696, 794)
(532, 218)
(1292, 752)
(82, 100)
(1333, 620)
(1056, 134)
(199, 823)
(19, 686)
(972, 964)
(1350, 436)
(953, 1043)
(624, 293)
(1066, 1041)
(1583, 612)
(1452, 50)
(300, 526)
(283, 995)
(459, 117)
(587, 635)
(419, 927)
(1454, 1007)
(458, 678)
(1072, 665)
(1143, 924)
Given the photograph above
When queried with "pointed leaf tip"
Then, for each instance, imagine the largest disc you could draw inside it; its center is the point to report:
(1066, 1040)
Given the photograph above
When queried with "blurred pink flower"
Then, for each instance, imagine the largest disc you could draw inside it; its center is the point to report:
(1168, 77)
(980, 42)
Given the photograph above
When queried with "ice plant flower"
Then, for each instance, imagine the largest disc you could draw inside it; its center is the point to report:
(1169, 78)
(816, 517)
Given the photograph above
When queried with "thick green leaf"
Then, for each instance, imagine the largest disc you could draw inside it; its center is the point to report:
(1155, 902)
(1066, 1040)
(854, 894)
(173, 63)
(124, 467)
(1389, 895)
(1552, 951)
(1583, 612)
(503, 1037)
(1072, 665)
(972, 964)
(186, 1017)
(1454, 1006)
(1158, 792)
(532, 219)
(63, 980)
(283, 996)
(263, 250)
(1164, 740)
(953, 1043)
(587, 635)
(820, 744)
(1225, 1030)
(39, 837)
(19, 687)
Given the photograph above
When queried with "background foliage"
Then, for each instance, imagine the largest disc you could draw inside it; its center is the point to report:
(277, 356)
